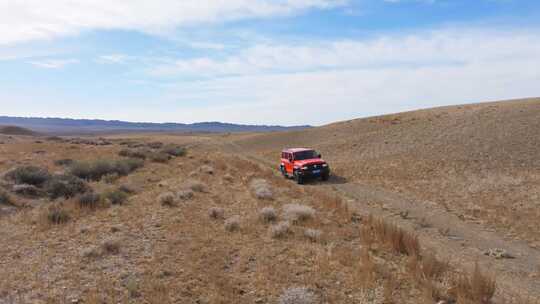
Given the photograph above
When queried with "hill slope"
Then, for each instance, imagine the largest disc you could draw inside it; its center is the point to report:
(14, 130)
(78, 126)
(479, 161)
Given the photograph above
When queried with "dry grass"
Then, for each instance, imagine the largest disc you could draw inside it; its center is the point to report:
(232, 223)
(261, 189)
(268, 214)
(298, 213)
(216, 213)
(167, 199)
(475, 288)
(57, 214)
(297, 295)
(314, 235)
(280, 230)
(401, 241)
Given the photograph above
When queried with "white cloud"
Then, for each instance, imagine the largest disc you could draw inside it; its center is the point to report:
(112, 59)
(347, 79)
(36, 19)
(434, 48)
(54, 63)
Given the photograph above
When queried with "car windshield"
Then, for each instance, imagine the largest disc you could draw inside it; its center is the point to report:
(309, 154)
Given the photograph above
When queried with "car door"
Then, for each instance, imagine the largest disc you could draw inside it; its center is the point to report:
(289, 163)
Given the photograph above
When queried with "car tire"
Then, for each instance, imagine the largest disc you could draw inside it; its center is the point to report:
(299, 179)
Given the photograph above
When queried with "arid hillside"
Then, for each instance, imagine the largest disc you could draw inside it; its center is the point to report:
(433, 206)
(481, 161)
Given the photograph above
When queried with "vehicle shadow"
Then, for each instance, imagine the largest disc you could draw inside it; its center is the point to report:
(333, 180)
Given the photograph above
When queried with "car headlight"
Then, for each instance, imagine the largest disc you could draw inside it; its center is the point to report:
(304, 168)
(325, 165)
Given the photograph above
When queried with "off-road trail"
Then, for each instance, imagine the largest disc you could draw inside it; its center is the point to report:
(450, 238)
(465, 178)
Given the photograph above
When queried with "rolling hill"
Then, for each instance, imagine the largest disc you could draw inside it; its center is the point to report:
(63, 126)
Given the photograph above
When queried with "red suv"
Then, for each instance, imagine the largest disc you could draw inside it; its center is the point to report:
(302, 163)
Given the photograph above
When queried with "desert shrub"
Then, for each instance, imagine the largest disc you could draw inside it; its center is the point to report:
(280, 230)
(155, 145)
(110, 178)
(159, 157)
(232, 223)
(64, 162)
(5, 198)
(297, 295)
(167, 199)
(268, 214)
(30, 175)
(115, 197)
(65, 185)
(54, 138)
(174, 151)
(476, 288)
(111, 246)
(27, 190)
(401, 241)
(298, 213)
(313, 235)
(139, 153)
(129, 189)
(56, 214)
(95, 170)
(195, 186)
(89, 200)
(261, 188)
(216, 213)
(126, 166)
(185, 194)
(206, 169)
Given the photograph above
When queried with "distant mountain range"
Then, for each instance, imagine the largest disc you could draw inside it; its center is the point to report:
(68, 126)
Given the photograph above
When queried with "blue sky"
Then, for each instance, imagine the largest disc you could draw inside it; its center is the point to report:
(261, 61)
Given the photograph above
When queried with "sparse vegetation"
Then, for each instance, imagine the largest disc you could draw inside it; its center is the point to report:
(155, 145)
(158, 157)
(268, 214)
(297, 295)
(476, 288)
(129, 189)
(95, 170)
(298, 213)
(232, 223)
(111, 246)
(29, 175)
(174, 151)
(261, 188)
(115, 197)
(313, 235)
(57, 214)
(185, 194)
(5, 198)
(280, 230)
(89, 200)
(216, 213)
(27, 190)
(167, 199)
(206, 169)
(64, 162)
(399, 240)
(65, 186)
(134, 153)
(196, 186)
